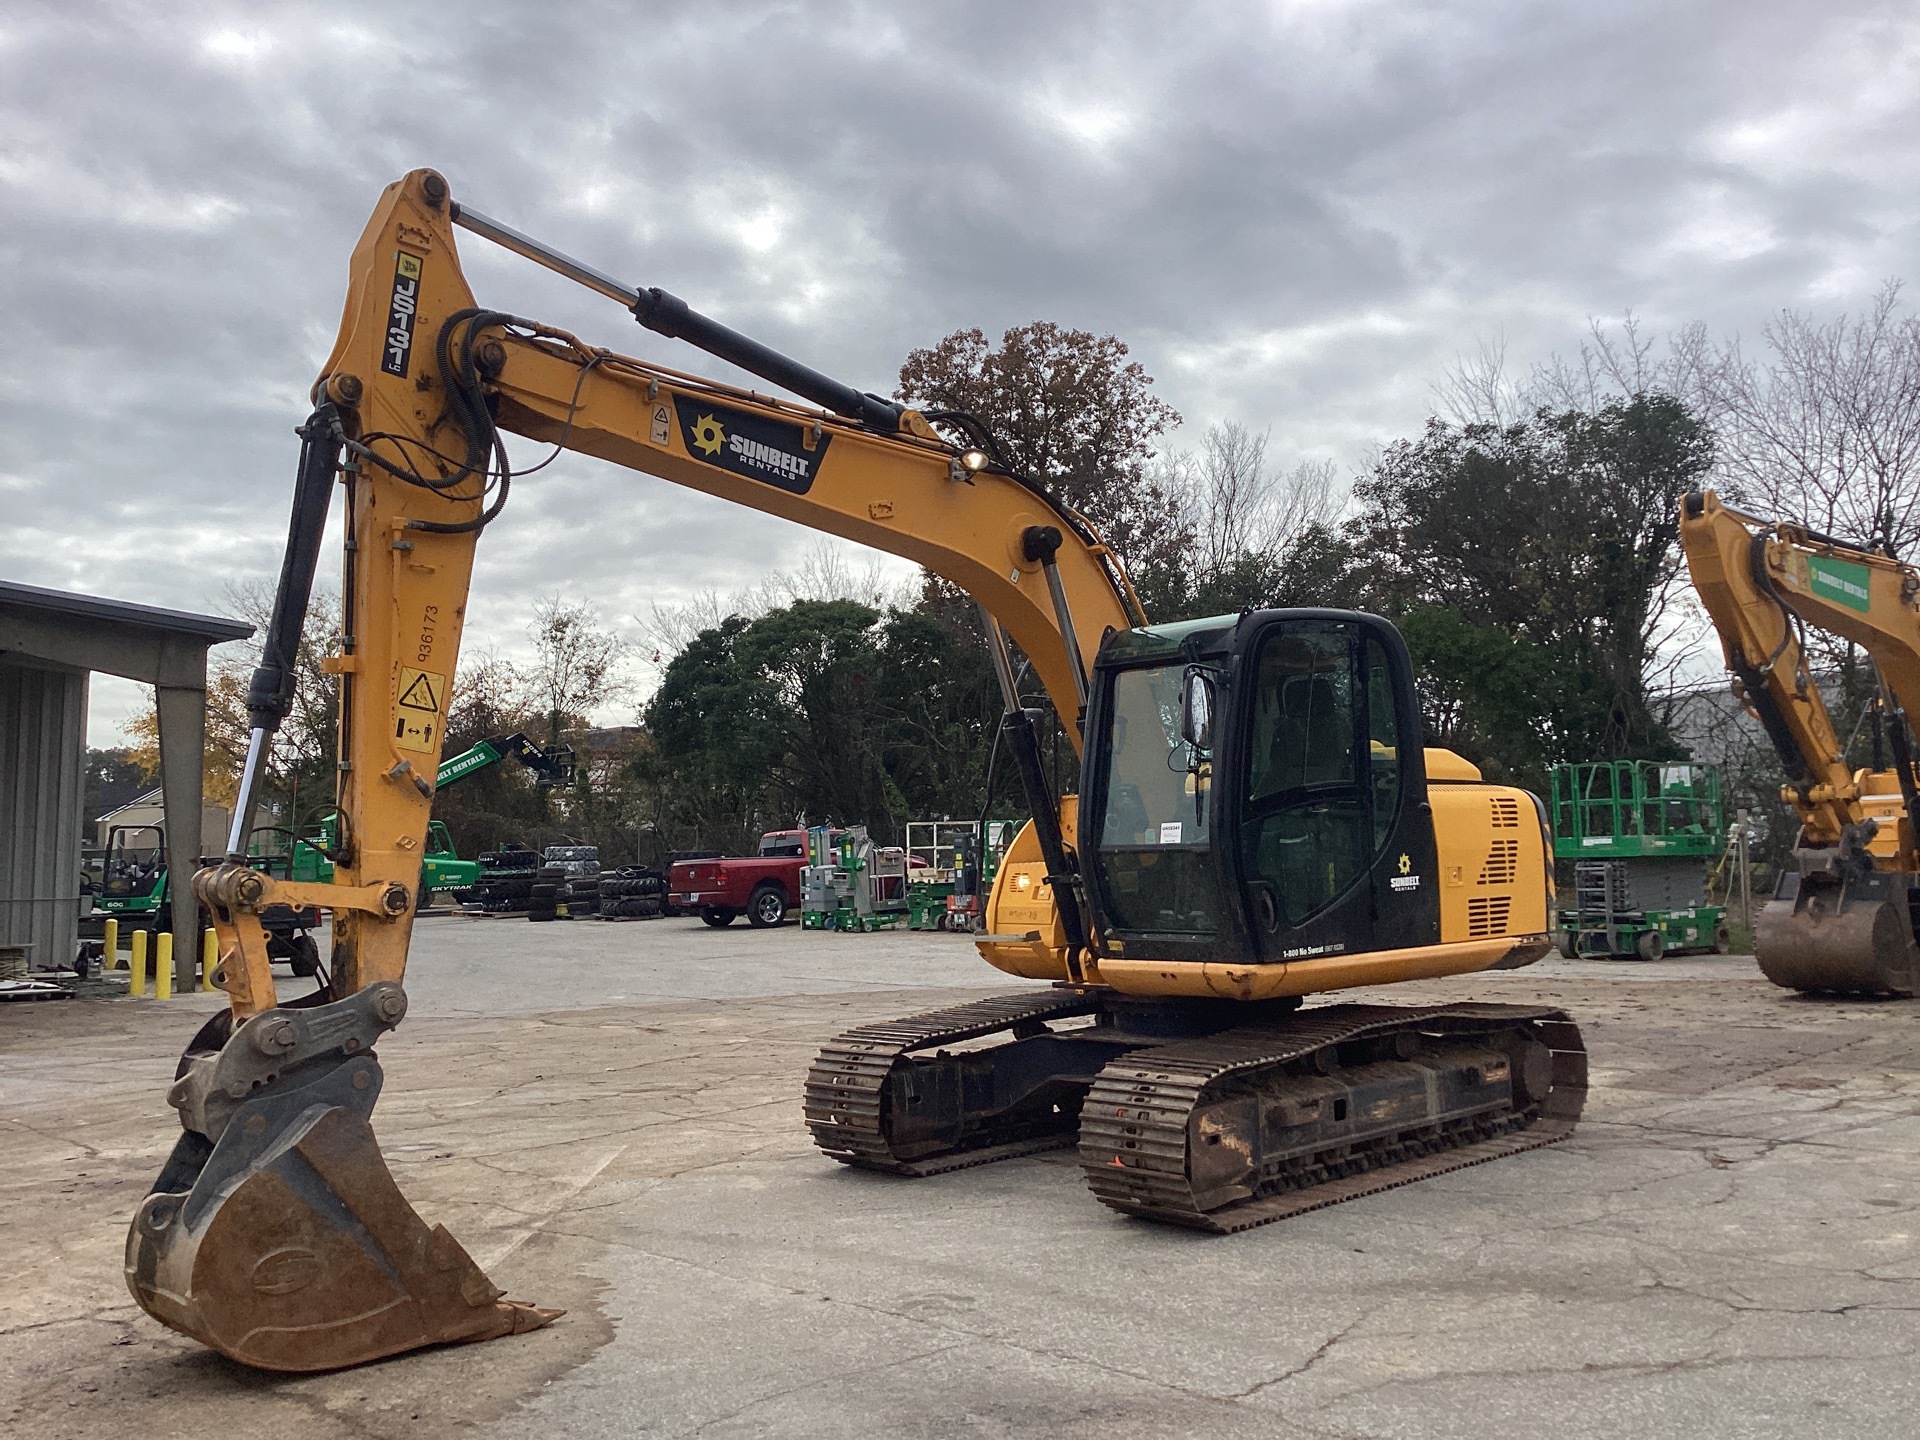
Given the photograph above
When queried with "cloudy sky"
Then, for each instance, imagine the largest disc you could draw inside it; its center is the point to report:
(1297, 214)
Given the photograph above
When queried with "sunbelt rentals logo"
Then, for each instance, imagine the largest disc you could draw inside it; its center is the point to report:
(1840, 581)
(776, 453)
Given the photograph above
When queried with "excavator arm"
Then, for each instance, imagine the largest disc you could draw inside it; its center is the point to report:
(275, 1233)
(1841, 920)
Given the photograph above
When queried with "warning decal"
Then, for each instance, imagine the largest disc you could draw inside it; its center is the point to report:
(416, 724)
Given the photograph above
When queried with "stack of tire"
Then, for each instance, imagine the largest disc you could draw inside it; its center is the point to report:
(633, 892)
(583, 894)
(548, 889)
(506, 881)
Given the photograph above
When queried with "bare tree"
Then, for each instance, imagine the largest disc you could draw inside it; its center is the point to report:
(1825, 429)
(1232, 505)
(1821, 426)
(1479, 391)
(578, 667)
(489, 696)
(307, 737)
(1617, 363)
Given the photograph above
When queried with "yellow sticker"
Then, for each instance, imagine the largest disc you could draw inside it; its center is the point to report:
(417, 715)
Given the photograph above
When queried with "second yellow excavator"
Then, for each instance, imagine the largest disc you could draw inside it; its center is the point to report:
(1258, 821)
(1843, 918)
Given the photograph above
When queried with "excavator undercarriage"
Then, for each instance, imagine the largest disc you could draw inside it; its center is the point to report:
(1213, 1115)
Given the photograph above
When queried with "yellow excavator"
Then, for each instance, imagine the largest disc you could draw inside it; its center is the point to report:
(1842, 919)
(1257, 821)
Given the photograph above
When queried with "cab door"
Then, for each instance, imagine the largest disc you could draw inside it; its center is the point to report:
(1331, 832)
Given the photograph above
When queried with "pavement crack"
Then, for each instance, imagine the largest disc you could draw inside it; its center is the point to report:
(1326, 1348)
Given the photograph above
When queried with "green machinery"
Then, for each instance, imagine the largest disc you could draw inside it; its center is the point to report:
(441, 867)
(947, 877)
(131, 883)
(1640, 835)
(935, 883)
(127, 879)
(128, 882)
(849, 883)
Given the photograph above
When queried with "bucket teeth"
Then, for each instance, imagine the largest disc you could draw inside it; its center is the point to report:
(293, 1249)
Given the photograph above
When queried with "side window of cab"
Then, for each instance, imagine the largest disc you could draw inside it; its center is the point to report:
(1323, 766)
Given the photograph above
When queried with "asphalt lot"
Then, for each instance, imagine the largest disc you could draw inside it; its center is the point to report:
(607, 1115)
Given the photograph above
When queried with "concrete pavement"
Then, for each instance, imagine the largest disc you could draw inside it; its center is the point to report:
(1726, 1248)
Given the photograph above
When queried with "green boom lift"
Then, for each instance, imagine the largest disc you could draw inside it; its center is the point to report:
(441, 868)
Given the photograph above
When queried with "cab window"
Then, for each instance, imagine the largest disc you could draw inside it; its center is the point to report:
(1383, 743)
(1308, 830)
(1157, 825)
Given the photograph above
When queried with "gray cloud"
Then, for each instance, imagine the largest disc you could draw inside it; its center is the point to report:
(1296, 214)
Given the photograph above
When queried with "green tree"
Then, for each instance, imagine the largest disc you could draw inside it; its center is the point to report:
(112, 779)
(713, 750)
(820, 710)
(941, 705)
(1558, 532)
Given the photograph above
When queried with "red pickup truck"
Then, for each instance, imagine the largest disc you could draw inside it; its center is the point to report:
(763, 887)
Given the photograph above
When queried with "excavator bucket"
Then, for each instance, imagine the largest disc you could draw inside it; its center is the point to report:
(285, 1244)
(1853, 936)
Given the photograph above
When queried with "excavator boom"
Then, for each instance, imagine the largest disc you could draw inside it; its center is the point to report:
(552, 767)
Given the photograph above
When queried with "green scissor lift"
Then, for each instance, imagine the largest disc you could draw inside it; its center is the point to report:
(1640, 835)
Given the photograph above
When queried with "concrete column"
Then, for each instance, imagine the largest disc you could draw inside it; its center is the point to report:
(182, 713)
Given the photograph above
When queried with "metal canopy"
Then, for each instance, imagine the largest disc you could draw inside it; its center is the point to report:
(216, 628)
(166, 649)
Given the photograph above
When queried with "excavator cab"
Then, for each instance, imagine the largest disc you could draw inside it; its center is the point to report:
(1256, 791)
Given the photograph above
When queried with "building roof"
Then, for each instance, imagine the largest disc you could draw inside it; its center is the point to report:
(212, 629)
(138, 802)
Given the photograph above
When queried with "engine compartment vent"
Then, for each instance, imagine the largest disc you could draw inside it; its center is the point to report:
(1487, 915)
(1503, 863)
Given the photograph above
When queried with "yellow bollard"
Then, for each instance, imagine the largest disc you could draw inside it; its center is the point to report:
(163, 967)
(110, 946)
(209, 958)
(137, 965)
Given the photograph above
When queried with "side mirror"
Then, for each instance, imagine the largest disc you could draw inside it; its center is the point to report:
(1196, 709)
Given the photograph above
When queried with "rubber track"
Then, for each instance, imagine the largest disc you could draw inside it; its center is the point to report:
(1134, 1124)
(846, 1080)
